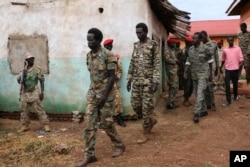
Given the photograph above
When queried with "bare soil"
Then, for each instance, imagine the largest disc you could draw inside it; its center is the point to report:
(175, 141)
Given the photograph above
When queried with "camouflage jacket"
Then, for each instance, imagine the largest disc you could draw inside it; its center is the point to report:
(244, 42)
(212, 47)
(31, 91)
(98, 65)
(145, 62)
(198, 60)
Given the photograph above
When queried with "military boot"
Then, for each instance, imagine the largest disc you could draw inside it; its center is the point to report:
(87, 160)
(46, 128)
(118, 151)
(144, 137)
(24, 128)
(120, 120)
(153, 121)
(196, 118)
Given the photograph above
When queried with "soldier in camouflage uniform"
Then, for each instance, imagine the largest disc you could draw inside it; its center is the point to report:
(144, 72)
(188, 83)
(100, 97)
(180, 64)
(198, 61)
(219, 79)
(244, 44)
(212, 46)
(31, 96)
(171, 71)
(108, 44)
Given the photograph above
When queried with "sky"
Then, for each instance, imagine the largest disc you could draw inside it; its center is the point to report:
(205, 9)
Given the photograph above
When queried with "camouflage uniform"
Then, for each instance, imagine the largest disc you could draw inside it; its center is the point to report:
(144, 70)
(180, 70)
(244, 44)
(171, 70)
(219, 79)
(30, 97)
(98, 66)
(209, 95)
(118, 103)
(198, 61)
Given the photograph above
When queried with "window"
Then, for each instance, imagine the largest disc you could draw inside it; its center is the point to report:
(18, 45)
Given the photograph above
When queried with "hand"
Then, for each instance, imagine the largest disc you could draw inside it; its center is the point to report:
(129, 86)
(41, 96)
(221, 70)
(154, 87)
(101, 103)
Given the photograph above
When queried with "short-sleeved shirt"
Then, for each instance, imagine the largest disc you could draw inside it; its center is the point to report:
(98, 65)
(31, 91)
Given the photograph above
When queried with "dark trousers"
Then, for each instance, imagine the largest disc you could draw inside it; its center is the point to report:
(231, 75)
(188, 86)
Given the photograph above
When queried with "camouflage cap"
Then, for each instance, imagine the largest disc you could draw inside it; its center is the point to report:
(28, 55)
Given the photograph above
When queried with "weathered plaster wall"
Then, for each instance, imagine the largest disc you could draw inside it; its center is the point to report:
(65, 23)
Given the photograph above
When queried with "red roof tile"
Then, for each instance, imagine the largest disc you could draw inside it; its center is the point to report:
(216, 27)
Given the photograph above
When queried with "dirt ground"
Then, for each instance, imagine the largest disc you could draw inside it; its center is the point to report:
(175, 141)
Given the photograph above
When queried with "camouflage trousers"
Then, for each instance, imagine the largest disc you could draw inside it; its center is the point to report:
(200, 86)
(173, 85)
(118, 103)
(106, 120)
(209, 94)
(36, 107)
(142, 101)
(247, 67)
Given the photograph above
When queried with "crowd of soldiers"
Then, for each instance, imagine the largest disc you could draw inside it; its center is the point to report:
(194, 68)
(199, 66)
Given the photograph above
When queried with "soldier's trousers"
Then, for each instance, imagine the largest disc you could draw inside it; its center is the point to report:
(188, 85)
(172, 83)
(118, 103)
(106, 120)
(200, 86)
(36, 107)
(247, 68)
(142, 101)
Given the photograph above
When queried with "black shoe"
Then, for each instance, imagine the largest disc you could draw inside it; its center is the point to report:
(196, 118)
(171, 106)
(87, 160)
(209, 106)
(203, 114)
(120, 120)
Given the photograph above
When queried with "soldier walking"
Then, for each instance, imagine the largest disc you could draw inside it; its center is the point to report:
(200, 63)
(244, 44)
(212, 47)
(219, 79)
(100, 97)
(171, 71)
(31, 97)
(144, 73)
